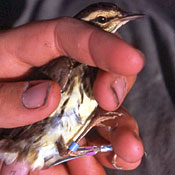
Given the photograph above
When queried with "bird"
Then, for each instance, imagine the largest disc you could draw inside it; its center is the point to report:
(51, 140)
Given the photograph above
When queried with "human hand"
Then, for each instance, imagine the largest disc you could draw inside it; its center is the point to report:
(36, 44)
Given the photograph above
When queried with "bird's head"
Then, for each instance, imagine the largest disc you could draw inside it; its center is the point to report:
(107, 16)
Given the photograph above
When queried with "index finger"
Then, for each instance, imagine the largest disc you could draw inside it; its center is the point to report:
(37, 43)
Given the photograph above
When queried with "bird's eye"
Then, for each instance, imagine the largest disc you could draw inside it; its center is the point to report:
(101, 19)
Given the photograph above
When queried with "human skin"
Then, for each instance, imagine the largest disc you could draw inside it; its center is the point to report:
(36, 44)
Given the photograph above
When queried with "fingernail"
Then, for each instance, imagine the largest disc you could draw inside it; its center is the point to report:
(114, 162)
(141, 53)
(118, 88)
(136, 135)
(36, 95)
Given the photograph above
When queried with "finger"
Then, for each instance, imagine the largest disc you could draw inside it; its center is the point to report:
(111, 89)
(124, 137)
(98, 48)
(85, 164)
(28, 102)
(60, 169)
(127, 145)
(105, 160)
(16, 168)
(125, 140)
(37, 43)
(124, 165)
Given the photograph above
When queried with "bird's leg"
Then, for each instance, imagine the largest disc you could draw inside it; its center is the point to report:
(103, 115)
(98, 117)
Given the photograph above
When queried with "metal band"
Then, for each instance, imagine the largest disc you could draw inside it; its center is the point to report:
(74, 146)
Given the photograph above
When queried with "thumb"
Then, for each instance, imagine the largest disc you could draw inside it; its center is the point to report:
(23, 103)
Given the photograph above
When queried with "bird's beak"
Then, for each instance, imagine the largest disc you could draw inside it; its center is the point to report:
(118, 22)
(130, 17)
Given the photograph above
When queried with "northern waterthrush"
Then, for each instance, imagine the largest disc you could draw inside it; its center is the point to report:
(56, 138)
